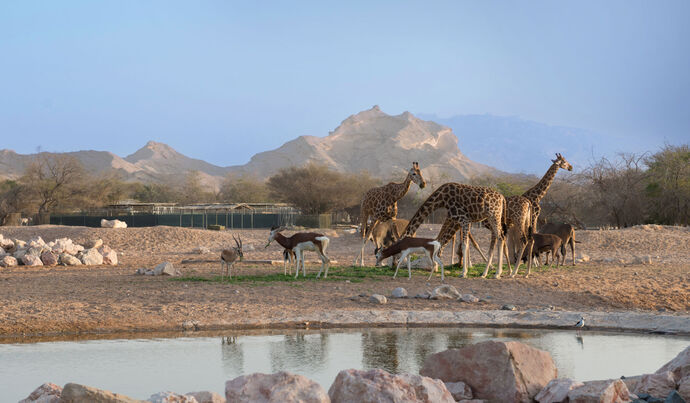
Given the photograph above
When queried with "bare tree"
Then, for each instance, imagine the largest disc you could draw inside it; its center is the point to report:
(52, 179)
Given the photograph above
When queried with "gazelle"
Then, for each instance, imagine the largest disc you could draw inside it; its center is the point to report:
(300, 242)
(404, 247)
(228, 257)
(386, 233)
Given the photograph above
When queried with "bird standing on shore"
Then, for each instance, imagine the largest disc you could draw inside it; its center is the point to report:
(580, 324)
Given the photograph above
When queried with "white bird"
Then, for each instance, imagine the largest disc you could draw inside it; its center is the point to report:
(579, 325)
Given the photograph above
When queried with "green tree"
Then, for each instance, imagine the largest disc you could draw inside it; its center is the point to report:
(244, 189)
(668, 186)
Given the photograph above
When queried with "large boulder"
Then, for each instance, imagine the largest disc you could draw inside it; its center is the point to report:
(459, 390)
(75, 393)
(684, 388)
(69, 260)
(610, 391)
(278, 387)
(46, 393)
(557, 390)
(377, 385)
(91, 257)
(166, 269)
(496, 371)
(680, 366)
(170, 397)
(445, 291)
(207, 397)
(49, 258)
(8, 261)
(109, 255)
(657, 385)
(31, 260)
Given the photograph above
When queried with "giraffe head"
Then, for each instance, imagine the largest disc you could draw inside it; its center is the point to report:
(416, 175)
(562, 163)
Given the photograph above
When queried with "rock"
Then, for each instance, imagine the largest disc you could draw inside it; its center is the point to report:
(170, 397)
(422, 262)
(75, 393)
(19, 254)
(8, 261)
(6, 244)
(642, 259)
(144, 271)
(49, 258)
(657, 385)
(445, 291)
(399, 292)
(19, 244)
(508, 307)
(496, 371)
(113, 224)
(378, 299)
(459, 390)
(31, 260)
(680, 365)
(91, 257)
(46, 393)
(109, 255)
(201, 250)
(584, 258)
(166, 269)
(36, 250)
(631, 381)
(377, 385)
(279, 387)
(684, 388)
(469, 298)
(424, 295)
(472, 401)
(611, 391)
(557, 390)
(190, 325)
(36, 242)
(206, 397)
(94, 244)
(674, 397)
(69, 260)
(64, 245)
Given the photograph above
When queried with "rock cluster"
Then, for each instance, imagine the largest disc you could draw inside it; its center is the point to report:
(64, 251)
(484, 372)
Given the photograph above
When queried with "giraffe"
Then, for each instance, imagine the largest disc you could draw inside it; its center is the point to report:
(381, 204)
(464, 205)
(538, 191)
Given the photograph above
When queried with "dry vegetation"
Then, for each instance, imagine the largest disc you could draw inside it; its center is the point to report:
(61, 299)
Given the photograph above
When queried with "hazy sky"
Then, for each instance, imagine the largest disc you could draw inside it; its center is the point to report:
(222, 80)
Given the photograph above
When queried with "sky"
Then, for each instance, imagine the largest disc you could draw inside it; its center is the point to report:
(223, 80)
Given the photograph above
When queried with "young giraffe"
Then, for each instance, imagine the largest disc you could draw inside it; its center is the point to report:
(538, 191)
(381, 204)
(464, 205)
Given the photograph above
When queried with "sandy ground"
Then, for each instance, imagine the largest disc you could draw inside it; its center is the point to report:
(60, 299)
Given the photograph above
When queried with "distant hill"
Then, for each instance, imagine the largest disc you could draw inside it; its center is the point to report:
(372, 141)
(516, 145)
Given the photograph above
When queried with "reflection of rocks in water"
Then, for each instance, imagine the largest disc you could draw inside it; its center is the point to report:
(232, 355)
(458, 339)
(513, 334)
(299, 351)
(380, 350)
(423, 344)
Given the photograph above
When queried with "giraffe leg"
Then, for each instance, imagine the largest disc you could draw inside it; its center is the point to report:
(466, 248)
(530, 249)
(492, 247)
(476, 246)
(452, 249)
(505, 253)
(499, 269)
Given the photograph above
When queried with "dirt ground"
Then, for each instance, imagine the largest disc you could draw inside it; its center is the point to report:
(43, 300)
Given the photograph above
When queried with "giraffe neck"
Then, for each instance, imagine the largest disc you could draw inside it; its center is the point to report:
(433, 202)
(399, 190)
(538, 191)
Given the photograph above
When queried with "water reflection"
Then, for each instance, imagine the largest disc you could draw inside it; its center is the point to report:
(299, 351)
(232, 355)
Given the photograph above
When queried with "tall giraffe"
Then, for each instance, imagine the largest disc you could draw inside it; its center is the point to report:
(464, 205)
(538, 191)
(381, 204)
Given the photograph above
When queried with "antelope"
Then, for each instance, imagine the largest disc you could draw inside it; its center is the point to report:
(567, 234)
(404, 247)
(540, 243)
(228, 257)
(301, 242)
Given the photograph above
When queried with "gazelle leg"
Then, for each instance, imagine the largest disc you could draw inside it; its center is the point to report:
(298, 258)
(400, 261)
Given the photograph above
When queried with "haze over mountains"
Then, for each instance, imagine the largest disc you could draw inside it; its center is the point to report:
(373, 141)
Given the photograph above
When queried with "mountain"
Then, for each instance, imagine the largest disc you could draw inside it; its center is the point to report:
(373, 141)
(516, 145)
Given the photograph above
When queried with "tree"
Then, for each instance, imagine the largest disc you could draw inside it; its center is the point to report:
(316, 189)
(52, 180)
(193, 190)
(243, 189)
(668, 186)
(12, 199)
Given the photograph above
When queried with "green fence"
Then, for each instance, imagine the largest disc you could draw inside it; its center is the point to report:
(189, 220)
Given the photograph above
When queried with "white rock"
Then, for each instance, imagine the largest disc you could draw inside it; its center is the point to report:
(399, 292)
(378, 299)
(611, 391)
(207, 397)
(584, 258)
(69, 260)
(445, 291)
(46, 393)
(8, 261)
(166, 269)
(278, 387)
(113, 223)
(31, 260)
(557, 390)
(64, 245)
(91, 257)
(201, 250)
(36, 242)
(109, 255)
(170, 397)
(19, 244)
(6, 244)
